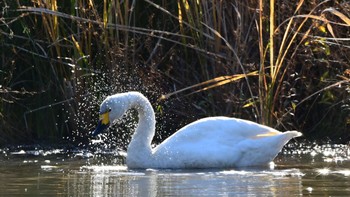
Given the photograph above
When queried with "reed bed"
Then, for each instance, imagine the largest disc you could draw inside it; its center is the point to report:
(283, 64)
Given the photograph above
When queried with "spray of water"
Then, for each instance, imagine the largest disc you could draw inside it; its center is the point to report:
(92, 88)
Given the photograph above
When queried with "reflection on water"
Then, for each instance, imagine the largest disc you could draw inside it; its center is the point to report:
(191, 183)
(316, 170)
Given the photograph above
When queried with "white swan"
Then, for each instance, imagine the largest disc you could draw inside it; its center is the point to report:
(214, 142)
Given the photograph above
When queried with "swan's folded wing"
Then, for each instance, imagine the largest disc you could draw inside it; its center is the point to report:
(220, 128)
(214, 133)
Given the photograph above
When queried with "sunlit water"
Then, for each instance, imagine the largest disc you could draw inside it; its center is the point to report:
(309, 171)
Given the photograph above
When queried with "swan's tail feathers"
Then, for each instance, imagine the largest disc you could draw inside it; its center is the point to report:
(293, 134)
(285, 137)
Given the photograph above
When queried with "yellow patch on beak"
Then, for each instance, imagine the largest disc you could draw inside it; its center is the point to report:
(105, 118)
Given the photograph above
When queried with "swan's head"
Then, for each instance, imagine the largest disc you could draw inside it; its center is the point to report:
(111, 109)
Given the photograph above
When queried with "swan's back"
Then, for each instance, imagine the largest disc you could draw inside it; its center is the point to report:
(221, 142)
(220, 128)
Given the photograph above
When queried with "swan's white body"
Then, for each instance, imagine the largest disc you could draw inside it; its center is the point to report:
(214, 142)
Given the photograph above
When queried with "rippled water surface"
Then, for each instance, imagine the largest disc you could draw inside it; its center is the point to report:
(311, 171)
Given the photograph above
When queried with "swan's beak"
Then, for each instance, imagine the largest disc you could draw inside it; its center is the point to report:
(102, 125)
(99, 129)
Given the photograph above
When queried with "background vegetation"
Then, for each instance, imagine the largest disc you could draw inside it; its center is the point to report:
(280, 63)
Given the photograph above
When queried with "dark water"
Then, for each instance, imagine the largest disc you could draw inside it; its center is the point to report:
(310, 171)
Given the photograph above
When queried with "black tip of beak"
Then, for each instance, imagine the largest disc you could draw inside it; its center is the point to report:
(99, 129)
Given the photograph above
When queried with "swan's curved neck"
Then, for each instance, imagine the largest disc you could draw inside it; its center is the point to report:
(141, 140)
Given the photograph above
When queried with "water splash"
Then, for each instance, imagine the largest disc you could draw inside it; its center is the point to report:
(330, 153)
